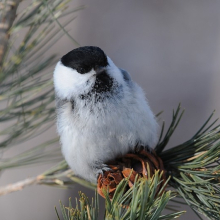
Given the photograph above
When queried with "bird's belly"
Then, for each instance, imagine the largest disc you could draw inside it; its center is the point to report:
(90, 145)
(90, 139)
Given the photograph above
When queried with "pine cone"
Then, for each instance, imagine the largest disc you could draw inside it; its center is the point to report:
(130, 165)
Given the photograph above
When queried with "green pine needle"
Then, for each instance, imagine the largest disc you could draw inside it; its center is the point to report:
(27, 93)
(194, 167)
(138, 203)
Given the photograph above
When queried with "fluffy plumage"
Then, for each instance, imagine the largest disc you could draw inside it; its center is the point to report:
(101, 112)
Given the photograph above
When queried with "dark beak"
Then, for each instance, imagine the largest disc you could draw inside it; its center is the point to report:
(99, 70)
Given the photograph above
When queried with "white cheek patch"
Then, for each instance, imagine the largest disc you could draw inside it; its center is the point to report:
(68, 81)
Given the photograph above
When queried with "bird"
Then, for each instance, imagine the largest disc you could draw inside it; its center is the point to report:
(101, 112)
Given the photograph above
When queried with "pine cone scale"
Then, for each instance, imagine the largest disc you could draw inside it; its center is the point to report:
(130, 166)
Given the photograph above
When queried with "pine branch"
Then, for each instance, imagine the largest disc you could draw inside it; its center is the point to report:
(26, 93)
(140, 202)
(59, 176)
(8, 14)
(18, 186)
(195, 167)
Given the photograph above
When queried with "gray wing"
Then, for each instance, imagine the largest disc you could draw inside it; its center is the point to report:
(126, 75)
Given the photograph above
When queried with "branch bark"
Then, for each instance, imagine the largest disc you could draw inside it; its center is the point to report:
(40, 179)
(8, 14)
(19, 185)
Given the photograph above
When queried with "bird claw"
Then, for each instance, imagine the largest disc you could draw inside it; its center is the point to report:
(106, 167)
(102, 168)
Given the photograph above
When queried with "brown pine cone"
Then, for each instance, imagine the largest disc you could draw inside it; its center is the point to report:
(130, 165)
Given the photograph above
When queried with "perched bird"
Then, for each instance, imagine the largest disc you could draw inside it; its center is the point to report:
(101, 112)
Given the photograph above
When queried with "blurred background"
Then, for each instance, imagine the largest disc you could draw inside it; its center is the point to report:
(171, 48)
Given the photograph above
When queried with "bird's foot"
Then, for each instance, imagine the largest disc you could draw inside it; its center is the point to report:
(103, 168)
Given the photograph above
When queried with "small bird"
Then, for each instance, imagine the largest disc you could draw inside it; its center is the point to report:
(101, 112)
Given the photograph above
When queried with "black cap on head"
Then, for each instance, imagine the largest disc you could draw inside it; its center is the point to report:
(83, 59)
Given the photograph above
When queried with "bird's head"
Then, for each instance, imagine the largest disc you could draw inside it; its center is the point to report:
(83, 70)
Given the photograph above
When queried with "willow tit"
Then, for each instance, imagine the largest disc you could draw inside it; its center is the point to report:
(101, 112)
